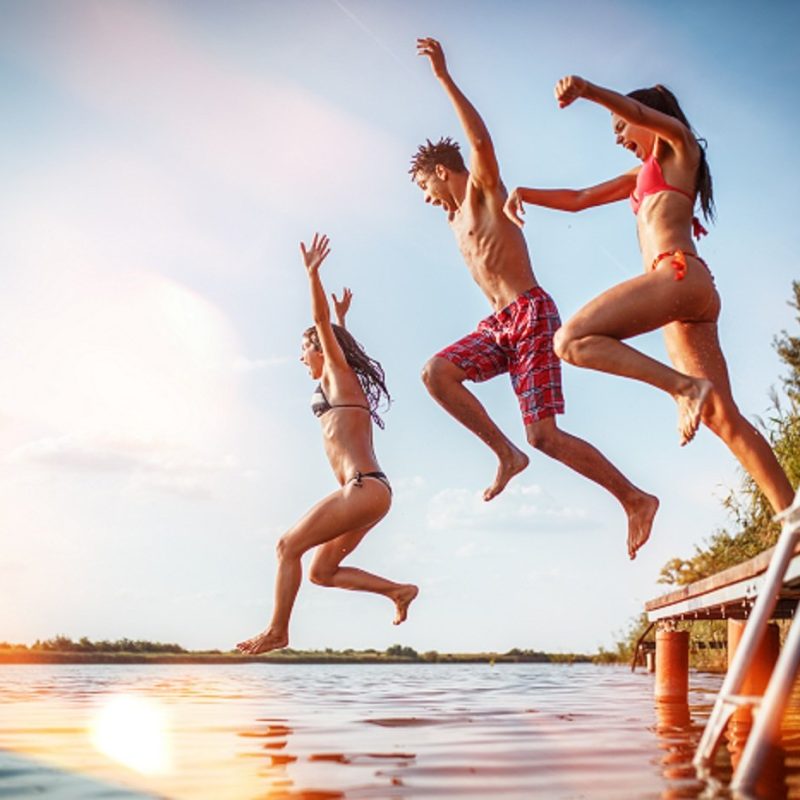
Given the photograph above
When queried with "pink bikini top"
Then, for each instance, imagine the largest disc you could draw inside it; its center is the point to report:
(650, 180)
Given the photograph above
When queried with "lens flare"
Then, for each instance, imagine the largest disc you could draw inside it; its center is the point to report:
(133, 731)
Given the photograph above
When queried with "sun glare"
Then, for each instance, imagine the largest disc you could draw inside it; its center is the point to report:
(133, 731)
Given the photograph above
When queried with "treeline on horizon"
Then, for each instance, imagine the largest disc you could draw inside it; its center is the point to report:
(63, 644)
(85, 648)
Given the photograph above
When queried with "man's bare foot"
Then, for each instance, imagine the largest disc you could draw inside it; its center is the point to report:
(640, 522)
(402, 601)
(263, 643)
(690, 407)
(515, 462)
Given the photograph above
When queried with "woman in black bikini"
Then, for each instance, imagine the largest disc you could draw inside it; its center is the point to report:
(350, 387)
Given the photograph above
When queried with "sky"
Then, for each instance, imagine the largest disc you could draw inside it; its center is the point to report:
(161, 162)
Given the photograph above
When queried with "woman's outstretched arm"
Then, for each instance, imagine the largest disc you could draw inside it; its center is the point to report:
(320, 310)
(341, 307)
(569, 199)
(571, 87)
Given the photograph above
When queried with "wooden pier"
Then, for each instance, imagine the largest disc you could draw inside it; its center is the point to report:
(760, 677)
(729, 594)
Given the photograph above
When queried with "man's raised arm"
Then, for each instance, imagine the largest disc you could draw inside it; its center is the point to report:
(483, 162)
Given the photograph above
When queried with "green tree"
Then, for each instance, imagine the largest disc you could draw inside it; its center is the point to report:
(623, 647)
(399, 651)
(61, 644)
(748, 507)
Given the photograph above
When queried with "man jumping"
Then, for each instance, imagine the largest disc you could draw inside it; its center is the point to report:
(518, 337)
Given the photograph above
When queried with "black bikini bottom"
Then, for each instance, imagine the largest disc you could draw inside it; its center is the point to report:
(357, 479)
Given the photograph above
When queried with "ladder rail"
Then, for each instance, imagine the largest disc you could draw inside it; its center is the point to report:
(753, 632)
(767, 723)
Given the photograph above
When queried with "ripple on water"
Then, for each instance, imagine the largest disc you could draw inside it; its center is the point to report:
(378, 731)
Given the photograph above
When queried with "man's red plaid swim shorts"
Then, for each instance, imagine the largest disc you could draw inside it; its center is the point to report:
(519, 340)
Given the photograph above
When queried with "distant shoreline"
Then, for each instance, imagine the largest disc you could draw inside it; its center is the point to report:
(39, 657)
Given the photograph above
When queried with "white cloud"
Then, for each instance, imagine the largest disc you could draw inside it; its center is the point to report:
(13, 570)
(408, 487)
(467, 550)
(114, 369)
(128, 352)
(548, 574)
(519, 506)
(149, 463)
(244, 364)
(246, 131)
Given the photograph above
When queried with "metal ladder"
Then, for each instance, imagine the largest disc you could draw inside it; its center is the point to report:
(770, 707)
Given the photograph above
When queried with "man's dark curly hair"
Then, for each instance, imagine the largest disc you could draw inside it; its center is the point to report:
(368, 371)
(445, 152)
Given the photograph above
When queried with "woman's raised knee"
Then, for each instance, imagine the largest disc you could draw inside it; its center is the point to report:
(321, 575)
(564, 344)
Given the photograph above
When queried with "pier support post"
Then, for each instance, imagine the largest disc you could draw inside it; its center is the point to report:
(757, 677)
(771, 779)
(672, 666)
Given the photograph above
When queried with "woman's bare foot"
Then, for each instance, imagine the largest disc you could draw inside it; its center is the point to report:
(690, 407)
(403, 600)
(640, 522)
(263, 643)
(509, 466)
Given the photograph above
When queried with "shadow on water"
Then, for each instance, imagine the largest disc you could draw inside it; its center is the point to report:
(22, 778)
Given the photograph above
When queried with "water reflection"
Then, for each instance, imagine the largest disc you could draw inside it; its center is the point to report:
(133, 731)
(772, 783)
(270, 740)
(271, 737)
(390, 732)
(677, 738)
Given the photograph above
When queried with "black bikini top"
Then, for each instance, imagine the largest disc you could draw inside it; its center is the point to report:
(320, 404)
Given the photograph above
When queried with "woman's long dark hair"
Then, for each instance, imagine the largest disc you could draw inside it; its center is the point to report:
(369, 371)
(661, 99)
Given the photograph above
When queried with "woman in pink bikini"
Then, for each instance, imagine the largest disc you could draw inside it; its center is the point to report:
(676, 291)
(351, 385)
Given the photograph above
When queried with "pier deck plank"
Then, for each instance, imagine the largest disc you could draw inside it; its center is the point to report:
(727, 594)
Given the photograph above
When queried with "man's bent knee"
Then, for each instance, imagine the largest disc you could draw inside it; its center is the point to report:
(438, 372)
(538, 439)
(543, 436)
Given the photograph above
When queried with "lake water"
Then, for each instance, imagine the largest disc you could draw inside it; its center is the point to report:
(273, 731)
